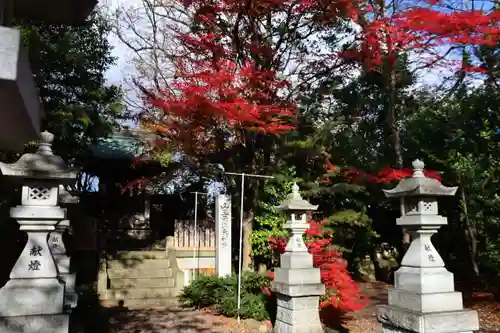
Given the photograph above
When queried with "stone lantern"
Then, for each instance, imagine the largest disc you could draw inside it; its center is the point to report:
(58, 250)
(423, 299)
(296, 282)
(33, 299)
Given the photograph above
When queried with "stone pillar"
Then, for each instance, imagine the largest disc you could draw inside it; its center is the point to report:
(33, 299)
(423, 299)
(223, 257)
(296, 282)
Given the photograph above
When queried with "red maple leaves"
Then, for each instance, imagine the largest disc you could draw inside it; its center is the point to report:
(386, 175)
(427, 30)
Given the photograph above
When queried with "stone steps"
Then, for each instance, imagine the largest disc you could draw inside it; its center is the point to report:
(149, 282)
(141, 279)
(141, 255)
(140, 293)
(142, 264)
(148, 303)
(140, 273)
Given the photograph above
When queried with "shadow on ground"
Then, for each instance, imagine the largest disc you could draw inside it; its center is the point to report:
(161, 321)
(120, 319)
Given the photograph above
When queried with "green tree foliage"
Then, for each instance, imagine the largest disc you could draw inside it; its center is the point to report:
(69, 63)
(268, 221)
(466, 128)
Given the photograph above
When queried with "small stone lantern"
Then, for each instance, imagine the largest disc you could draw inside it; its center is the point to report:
(33, 299)
(296, 282)
(423, 299)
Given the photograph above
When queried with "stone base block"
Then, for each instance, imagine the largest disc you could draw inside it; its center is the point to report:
(297, 275)
(398, 320)
(297, 303)
(24, 297)
(281, 327)
(392, 329)
(414, 279)
(296, 290)
(35, 324)
(305, 319)
(435, 302)
(296, 260)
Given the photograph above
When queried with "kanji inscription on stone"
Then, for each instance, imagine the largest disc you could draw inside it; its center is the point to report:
(34, 265)
(36, 251)
(225, 215)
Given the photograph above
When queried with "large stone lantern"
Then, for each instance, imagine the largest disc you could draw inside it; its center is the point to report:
(423, 299)
(296, 282)
(33, 299)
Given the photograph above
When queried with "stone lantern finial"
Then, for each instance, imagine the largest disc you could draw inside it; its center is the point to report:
(45, 147)
(294, 202)
(41, 165)
(418, 168)
(423, 298)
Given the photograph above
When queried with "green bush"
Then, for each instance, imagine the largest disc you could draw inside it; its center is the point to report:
(222, 293)
(202, 292)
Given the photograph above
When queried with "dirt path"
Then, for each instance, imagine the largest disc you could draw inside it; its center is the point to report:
(176, 320)
(190, 321)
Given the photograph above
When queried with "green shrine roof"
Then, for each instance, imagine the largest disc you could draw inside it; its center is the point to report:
(123, 145)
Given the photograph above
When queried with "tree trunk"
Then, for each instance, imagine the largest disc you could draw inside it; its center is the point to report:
(396, 144)
(470, 233)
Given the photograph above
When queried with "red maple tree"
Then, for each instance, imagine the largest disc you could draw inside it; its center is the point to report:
(211, 98)
(430, 30)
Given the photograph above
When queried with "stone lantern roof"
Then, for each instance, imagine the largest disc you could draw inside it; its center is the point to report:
(294, 202)
(419, 185)
(41, 165)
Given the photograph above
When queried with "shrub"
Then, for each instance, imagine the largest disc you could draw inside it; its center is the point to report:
(252, 306)
(202, 292)
(222, 293)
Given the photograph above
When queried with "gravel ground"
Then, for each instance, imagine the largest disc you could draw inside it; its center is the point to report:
(191, 321)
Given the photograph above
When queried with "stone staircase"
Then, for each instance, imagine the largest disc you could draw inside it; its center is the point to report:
(141, 279)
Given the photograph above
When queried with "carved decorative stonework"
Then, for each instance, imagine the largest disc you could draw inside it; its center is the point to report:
(297, 283)
(35, 292)
(424, 298)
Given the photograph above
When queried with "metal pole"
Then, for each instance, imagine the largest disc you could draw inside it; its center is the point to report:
(195, 247)
(241, 243)
(195, 233)
(240, 252)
